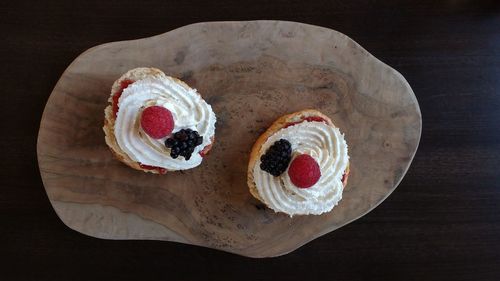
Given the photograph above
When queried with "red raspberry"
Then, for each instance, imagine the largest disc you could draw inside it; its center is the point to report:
(304, 171)
(157, 121)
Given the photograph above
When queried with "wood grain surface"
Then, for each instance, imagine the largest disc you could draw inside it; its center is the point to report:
(251, 73)
(441, 223)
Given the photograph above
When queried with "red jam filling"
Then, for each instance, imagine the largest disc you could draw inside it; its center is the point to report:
(343, 177)
(123, 84)
(205, 150)
(309, 119)
(159, 169)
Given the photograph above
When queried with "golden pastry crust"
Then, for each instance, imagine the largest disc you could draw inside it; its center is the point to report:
(276, 126)
(109, 118)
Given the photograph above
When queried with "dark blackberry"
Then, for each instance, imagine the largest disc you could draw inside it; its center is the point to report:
(277, 157)
(183, 143)
(170, 143)
(193, 135)
(199, 140)
(181, 135)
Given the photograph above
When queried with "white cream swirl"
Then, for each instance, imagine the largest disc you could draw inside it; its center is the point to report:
(327, 146)
(189, 110)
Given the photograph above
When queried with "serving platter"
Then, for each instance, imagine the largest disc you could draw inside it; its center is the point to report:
(251, 73)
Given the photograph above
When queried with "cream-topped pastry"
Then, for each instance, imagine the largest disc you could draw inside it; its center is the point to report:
(158, 123)
(300, 165)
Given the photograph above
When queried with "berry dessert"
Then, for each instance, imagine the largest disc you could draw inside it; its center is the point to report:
(300, 165)
(156, 123)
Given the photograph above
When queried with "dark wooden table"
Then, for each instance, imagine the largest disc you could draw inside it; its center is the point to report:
(442, 223)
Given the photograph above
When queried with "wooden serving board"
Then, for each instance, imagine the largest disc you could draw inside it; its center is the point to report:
(251, 73)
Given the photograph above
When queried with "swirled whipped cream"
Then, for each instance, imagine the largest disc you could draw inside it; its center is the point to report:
(328, 147)
(188, 109)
